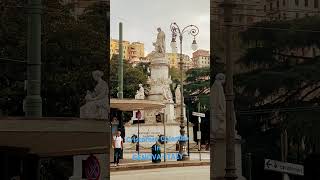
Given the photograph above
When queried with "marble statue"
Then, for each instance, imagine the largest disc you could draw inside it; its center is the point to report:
(178, 95)
(218, 132)
(167, 94)
(218, 104)
(96, 101)
(160, 44)
(140, 92)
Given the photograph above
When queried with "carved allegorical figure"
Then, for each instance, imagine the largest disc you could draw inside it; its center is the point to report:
(167, 94)
(140, 92)
(96, 101)
(178, 95)
(218, 104)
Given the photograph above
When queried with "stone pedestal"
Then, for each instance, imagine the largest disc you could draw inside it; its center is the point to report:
(154, 130)
(159, 78)
(218, 158)
(178, 112)
(169, 112)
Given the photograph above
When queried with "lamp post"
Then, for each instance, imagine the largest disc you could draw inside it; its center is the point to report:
(230, 171)
(33, 101)
(176, 31)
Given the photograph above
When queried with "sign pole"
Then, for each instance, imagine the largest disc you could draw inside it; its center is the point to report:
(138, 115)
(138, 136)
(164, 132)
(199, 130)
(199, 138)
(199, 115)
(188, 128)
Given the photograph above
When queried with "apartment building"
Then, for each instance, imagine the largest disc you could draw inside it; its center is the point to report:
(79, 5)
(134, 50)
(244, 14)
(174, 59)
(290, 9)
(114, 48)
(282, 10)
(201, 58)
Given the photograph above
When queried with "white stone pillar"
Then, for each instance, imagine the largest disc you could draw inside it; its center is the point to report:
(219, 158)
(77, 168)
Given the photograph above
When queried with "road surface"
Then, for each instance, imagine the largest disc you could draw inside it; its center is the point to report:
(176, 173)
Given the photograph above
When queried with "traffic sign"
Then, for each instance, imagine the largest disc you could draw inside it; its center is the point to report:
(92, 168)
(198, 114)
(283, 167)
(138, 114)
(198, 134)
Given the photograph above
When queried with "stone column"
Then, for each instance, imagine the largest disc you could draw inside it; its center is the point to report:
(77, 168)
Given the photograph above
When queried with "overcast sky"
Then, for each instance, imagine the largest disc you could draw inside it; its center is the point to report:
(141, 18)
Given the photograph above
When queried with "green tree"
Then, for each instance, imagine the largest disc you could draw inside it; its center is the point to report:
(132, 77)
(280, 81)
(12, 56)
(198, 85)
(73, 48)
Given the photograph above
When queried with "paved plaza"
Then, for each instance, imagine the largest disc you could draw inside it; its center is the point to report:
(176, 173)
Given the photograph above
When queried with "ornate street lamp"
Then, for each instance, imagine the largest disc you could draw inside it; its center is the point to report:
(176, 31)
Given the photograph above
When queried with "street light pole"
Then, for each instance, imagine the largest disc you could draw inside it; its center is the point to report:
(194, 30)
(33, 101)
(182, 131)
(230, 170)
(199, 130)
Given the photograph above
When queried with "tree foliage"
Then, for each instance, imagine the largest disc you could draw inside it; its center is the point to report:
(71, 49)
(132, 77)
(278, 80)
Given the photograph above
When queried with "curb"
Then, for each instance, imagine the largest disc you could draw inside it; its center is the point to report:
(159, 165)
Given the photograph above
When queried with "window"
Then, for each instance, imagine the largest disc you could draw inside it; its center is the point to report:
(297, 2)
(306, 3)
(278, 4)
(297, 15)
(284, 16)
(284, 3)
(265, 8)
(270, 6)
(316, 3)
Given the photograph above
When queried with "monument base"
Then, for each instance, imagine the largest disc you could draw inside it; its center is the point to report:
(219, 158)
(153, 131)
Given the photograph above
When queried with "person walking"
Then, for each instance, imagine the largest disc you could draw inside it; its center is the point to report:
(117, 146)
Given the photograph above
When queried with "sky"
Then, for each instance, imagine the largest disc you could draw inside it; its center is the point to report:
(141, 18)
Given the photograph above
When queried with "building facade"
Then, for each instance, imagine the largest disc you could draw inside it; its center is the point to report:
(130, 51)
(114, 48)
(79, 5)
(136, 50)
(290, 9)
(201, 58)
(245, 14)
(174, 59)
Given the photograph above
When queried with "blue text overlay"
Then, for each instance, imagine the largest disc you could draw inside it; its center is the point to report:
(155, 139)
(148, 156)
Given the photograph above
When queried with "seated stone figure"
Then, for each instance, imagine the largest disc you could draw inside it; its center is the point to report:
(140, 92)
(96, 101)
